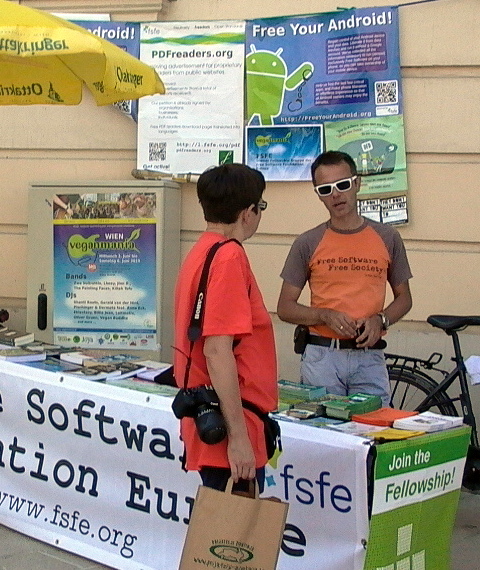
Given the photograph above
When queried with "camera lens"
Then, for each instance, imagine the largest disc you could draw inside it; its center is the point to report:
(210, 424)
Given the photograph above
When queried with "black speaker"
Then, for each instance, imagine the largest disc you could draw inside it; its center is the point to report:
(42, 311)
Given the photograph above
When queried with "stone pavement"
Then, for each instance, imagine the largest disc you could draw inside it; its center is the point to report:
(19, 552)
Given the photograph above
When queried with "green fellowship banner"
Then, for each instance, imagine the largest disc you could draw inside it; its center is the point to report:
(417, 481)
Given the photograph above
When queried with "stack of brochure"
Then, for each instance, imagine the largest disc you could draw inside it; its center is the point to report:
(382, 417)
(116, 370)
(428, 421)
(84, 357)
(343, 407)
(52, 364)
(15, 338)
(155, 371)
(19, 354)
(295, 392)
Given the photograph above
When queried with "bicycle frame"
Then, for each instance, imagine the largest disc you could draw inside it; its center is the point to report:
(459, 372)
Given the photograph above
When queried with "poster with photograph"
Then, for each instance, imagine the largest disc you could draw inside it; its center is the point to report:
(105, 270)
(198, 123)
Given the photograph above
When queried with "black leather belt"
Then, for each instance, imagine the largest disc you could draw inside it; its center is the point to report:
(349, 343)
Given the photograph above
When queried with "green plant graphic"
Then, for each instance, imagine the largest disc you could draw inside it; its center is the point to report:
(267, 80)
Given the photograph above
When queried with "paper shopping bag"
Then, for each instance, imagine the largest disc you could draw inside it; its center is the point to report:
(233, 532)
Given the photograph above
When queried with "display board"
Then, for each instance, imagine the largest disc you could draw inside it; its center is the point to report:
(103, 258)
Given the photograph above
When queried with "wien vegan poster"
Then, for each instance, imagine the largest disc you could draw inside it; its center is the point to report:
(312, 71)
(105, 270)
(198, 123)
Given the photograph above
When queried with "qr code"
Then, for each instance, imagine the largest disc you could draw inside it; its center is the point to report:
(157, 151)
(124, 106)
(386, 92)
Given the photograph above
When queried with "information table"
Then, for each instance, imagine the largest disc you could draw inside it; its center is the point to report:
(95, 469)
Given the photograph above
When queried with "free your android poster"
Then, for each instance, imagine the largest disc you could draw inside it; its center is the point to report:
(307, 77)
(105, 270)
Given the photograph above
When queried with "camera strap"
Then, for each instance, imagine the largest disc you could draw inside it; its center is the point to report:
(196, 321)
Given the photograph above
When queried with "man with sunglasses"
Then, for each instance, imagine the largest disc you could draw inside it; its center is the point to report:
(347, 262)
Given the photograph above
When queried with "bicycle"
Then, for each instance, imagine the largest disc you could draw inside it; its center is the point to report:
(413, 388)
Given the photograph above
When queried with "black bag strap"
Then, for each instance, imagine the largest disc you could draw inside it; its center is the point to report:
(196, 321)
(271, 427)
(255, 409)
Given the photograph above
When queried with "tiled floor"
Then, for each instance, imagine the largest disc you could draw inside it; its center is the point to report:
(19, 552)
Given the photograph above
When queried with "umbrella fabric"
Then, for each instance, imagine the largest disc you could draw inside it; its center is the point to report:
(47, 60)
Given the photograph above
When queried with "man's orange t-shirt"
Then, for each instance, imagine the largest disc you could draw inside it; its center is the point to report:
(347, 270)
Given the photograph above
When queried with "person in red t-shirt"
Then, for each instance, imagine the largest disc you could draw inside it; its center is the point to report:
(236, 352)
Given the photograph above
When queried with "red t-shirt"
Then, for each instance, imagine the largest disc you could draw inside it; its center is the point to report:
(233, 306)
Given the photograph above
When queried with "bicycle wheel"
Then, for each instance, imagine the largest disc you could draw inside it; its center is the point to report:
(409, 389)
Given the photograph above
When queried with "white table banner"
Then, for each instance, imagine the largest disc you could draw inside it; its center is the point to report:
(96, 470)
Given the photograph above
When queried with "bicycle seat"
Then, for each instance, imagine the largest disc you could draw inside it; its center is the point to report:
(452, 323)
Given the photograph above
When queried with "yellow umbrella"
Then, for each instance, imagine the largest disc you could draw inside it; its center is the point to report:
(46, 60)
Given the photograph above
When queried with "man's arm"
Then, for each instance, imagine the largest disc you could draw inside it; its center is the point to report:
(401, 304)
(399, 307)
(291, 311)
(223, 373)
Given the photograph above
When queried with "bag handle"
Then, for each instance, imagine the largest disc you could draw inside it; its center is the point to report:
(252, 492)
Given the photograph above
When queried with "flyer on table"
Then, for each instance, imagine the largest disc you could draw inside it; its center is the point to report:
(105, 270)
(198, 123)
(320, 69)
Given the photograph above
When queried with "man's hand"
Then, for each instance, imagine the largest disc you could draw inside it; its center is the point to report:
(341, 323)
(222, 369)
(241, 458)
(371, 331)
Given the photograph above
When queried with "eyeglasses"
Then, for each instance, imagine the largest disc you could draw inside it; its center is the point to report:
(343, 185)
(262, 205)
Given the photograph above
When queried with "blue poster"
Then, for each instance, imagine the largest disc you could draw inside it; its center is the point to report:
(322, 68)
(276, 149)
(125, 35)
(105, 270)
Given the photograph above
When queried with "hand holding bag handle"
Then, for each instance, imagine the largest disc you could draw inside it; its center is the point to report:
(235, 529)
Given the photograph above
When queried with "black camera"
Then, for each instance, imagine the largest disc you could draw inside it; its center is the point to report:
(201, 404)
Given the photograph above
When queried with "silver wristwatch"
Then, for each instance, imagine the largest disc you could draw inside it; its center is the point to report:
(385, 320)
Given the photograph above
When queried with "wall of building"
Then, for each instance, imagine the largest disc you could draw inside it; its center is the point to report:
(440, 57)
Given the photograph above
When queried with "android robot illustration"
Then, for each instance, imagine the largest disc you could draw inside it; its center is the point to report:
(267, 80)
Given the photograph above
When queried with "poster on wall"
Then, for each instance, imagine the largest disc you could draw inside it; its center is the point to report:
(125, 35)
(324, 69)
(105, 270)
(278, 149)
(378, 148)
(198, 123)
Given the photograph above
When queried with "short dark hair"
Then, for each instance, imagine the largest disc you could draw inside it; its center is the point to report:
(224, 191)
(330, 157)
